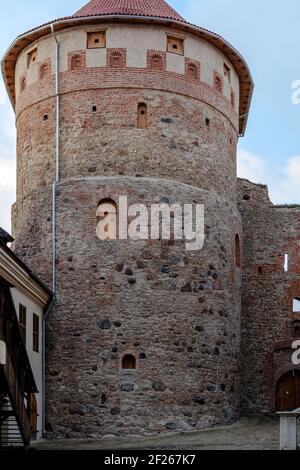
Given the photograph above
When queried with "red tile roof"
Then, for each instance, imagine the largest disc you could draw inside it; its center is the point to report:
(154, 8)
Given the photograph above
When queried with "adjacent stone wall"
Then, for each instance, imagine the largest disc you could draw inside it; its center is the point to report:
(268, 291)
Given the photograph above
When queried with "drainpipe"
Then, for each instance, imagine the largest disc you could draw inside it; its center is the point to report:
(55, 182)
(48, 310)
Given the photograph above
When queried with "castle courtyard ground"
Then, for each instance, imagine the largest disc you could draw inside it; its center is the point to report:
(251, 433)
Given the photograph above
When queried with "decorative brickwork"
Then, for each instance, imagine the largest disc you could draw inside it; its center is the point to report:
(218, 82)
(116, 58)
(77, 61)
(192, 69)
(156, 61)
(45, 70)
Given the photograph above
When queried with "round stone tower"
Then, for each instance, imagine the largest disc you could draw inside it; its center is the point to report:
(125, 98)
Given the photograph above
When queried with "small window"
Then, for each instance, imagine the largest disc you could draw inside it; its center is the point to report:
(296, 305)
(142, 116)
(32, 58)
(237, 251)
(23, 321)
(286, 263)
(129, 362)
(96, 40)
(207, 122)
(36, 333)
(227, 72)
(175, 45)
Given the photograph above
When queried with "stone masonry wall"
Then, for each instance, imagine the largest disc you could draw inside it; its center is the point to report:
(176, 311)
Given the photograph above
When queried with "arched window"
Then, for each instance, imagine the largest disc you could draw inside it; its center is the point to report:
(218, 83)
(156, 62)
(129, 362)
(237, 251)
(107, 220)
(44, 71)
(76, 62)
(142, 118)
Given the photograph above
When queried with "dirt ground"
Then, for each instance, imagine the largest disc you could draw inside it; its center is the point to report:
(253, 433)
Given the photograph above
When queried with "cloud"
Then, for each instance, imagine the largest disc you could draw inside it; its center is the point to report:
(7, 190)
(283, 183)
(287, 188)
(7, 176)
(251, 167)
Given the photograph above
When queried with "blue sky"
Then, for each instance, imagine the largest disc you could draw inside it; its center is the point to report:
(265, 32)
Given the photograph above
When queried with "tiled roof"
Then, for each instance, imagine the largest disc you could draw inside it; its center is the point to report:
(154, 8)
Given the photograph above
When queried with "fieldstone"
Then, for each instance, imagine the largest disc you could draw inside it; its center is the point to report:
(199, 328)
(119, 267)
(165, 269)
(187, 288)
(200, 400)
(104, 324)
(159, 386)
(171, 426)
(127, 388)
(77, 409)
(114, 411)
(211, 388)
(128, 272)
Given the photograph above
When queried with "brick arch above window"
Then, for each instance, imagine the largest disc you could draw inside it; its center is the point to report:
(218, 82)
(77, 61)
(45, 70)
(192, 69)
(156, 61)
(116, 58)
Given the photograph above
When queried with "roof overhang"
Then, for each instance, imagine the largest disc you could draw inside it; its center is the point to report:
(246, 82)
